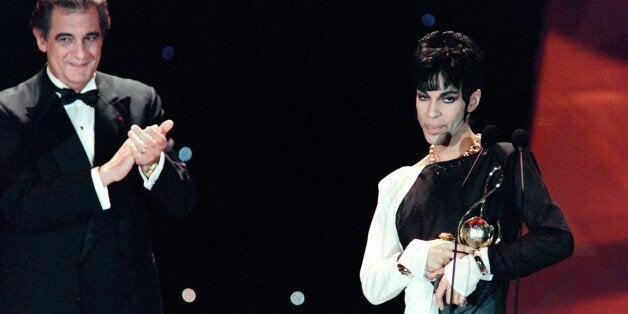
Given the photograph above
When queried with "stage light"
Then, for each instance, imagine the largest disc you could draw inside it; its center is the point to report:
(188, 295)
(185, 154)
(167, 53)
(297, 298)
(428, 20)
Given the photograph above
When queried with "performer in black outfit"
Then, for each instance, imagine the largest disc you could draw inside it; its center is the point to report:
(418, 203)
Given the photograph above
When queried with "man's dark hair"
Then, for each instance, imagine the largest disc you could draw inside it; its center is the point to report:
(43, 11)
(454, 56)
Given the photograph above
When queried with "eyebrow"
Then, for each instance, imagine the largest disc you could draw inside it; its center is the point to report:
(63, 35)
(94, 33)
(449, 92)
(444, 94)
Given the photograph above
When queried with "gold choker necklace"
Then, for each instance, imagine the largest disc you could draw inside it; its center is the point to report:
(472, 149)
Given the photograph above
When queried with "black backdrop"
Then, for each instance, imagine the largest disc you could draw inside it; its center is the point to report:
(294, 111)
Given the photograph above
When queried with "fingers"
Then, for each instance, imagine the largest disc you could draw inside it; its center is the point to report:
(147, 136)
(166, 126)
(124, 152)
(138, 138)
(459, 299)
(118, 166)
(433, 274)
(152, 133)
(139, 154)
(448, 295)
(460, 248)
(146, 144)
(441, 252)
(443, 295)
(440, 294)
(436, 264)
(140, 144)
(464, 248)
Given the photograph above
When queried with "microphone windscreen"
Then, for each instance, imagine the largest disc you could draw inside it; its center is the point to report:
(520, 139)
(489, 136)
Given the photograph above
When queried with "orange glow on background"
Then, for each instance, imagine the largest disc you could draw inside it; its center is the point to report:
(578, 134)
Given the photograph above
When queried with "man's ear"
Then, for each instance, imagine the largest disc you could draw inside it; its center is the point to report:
(42, 44)
(474, 100)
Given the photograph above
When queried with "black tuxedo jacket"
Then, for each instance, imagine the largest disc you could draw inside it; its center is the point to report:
(59, 251)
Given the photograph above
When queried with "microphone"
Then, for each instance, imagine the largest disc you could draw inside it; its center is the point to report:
(520, 140)
(489, 136)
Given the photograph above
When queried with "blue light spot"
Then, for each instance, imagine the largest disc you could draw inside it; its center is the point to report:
(428, 20)
(185, 154)
(167, 52)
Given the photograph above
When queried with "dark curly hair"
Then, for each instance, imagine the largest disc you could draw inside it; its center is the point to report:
(43, 10)
(455, 57)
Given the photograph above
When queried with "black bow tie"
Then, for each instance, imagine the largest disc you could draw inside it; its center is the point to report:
(68, 96)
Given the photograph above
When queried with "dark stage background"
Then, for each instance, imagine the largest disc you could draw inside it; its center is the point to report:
(294, 111)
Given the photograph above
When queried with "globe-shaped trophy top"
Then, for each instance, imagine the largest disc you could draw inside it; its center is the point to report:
(476, 232)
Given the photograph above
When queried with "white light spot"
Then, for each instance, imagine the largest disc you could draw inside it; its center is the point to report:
(188, 295)
(297, 298)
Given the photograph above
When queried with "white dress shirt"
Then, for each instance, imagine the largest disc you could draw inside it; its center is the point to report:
(82, 117)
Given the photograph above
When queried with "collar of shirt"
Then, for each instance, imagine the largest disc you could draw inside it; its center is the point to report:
(81, 116)
(91, 85)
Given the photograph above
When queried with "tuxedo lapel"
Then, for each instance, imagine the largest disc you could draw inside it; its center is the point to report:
(110, 122)
(54, 142)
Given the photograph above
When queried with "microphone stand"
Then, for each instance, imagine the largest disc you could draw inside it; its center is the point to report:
(488, 140)
(453, 268)
(520, 140)
(519, 233)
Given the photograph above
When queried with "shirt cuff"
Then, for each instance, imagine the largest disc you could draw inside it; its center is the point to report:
(414, 257)
(467, 274)
(150, 181)
(101, 190)
(485, 259)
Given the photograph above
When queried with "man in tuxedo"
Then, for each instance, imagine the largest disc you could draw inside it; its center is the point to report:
(84, 161)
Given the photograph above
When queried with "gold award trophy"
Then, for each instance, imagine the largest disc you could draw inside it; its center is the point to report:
(476, 232)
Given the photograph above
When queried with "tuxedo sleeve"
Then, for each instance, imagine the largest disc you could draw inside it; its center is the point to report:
(174, 191)
(30, 204)
(548, 239)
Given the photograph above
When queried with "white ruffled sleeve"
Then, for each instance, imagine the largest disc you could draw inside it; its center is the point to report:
(380, 277)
